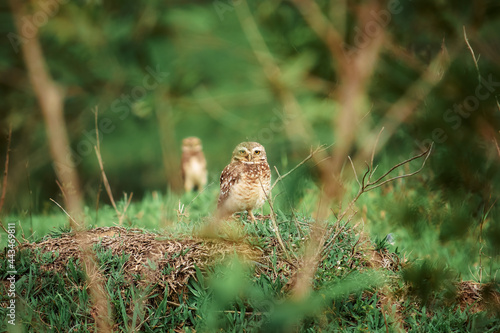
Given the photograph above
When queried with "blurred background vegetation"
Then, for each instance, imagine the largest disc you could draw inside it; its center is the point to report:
(161, 71)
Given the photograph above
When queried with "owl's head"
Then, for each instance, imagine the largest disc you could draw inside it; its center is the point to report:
(249, 152)
(191, 144)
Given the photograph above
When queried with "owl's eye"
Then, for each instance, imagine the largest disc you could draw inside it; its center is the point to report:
(257, 152)
(242, 151)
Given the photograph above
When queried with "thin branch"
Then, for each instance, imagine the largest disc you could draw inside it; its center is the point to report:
(311, 155)
(354, 170)
(6, 169)
(4, 229)
(374, 184)
(273, 220)
(199, 193)
(63, 192)
(122, 215)
(473, 54)
(97, 149)
(370, 186)
(65, 212)
(367, 173)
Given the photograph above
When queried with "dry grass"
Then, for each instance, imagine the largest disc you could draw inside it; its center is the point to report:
(149, 254)
(167, 263)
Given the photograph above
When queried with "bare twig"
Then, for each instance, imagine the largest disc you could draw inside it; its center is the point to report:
(473, 54)
(63, 192)
(6, 169)
(354, 170)
(311, 155)
(199, 193)
(281, 177)
(273, 220)
(121, 217)
(65, 212)
(375, 184)
(370, 185)
(3, 227)
(97, 149)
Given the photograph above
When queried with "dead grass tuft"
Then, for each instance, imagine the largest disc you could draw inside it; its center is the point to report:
(153, 258)
(478, 297)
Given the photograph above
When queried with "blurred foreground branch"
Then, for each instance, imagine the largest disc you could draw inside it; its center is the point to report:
(51, 99)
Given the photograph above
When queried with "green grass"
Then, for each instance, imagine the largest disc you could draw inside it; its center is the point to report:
(349, 294)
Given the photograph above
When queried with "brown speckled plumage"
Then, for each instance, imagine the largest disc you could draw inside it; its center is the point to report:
(194, 165)
(244, 183)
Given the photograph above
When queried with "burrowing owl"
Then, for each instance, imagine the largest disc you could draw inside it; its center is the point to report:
(194, 165)
(245, 183)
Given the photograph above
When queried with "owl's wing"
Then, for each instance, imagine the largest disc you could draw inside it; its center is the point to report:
(228, 178)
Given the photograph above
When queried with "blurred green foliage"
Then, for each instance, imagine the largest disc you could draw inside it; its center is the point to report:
(161, 71)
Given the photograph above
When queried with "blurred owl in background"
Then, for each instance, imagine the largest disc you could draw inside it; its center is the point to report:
(245, 183)
(194, 164)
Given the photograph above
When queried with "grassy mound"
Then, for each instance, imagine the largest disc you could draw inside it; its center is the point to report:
(159, 283)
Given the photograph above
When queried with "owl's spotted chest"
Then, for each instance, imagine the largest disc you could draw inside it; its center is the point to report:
(250, 190)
